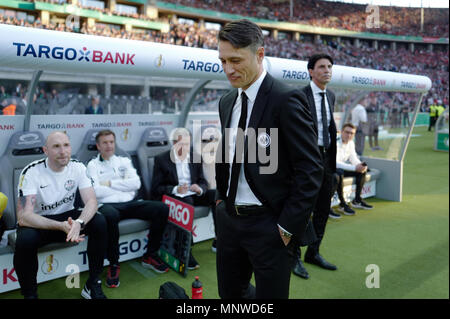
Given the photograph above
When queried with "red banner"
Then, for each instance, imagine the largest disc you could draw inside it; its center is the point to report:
(430, 39)
(180, 213)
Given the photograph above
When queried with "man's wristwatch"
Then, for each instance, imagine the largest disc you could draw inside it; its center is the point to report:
(82, 224)
(285, 233)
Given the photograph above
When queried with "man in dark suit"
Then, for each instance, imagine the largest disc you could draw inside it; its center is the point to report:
(263, 206)
(177, 174)
(321, 102)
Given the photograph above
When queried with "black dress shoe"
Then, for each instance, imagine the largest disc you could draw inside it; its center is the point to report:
(300, 270)
(192, 264)
(250, 293)
(319, 261)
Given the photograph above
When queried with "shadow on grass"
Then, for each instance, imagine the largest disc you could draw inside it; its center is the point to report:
(414, 272)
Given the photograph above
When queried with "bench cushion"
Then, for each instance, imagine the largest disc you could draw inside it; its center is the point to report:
(201, 211)
(132, 225)
(126, 226)
(53, 246)
(4, 250)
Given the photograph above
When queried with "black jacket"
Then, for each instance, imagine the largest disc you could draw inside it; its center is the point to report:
(165, 175)
(332, 128)
(291, 190)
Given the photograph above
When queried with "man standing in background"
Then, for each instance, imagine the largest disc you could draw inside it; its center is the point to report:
(321, 104)
(359, 120)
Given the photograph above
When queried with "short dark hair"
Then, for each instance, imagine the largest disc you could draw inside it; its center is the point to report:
(104, 133)
(349, 125)
(316, 57)
(241, 34)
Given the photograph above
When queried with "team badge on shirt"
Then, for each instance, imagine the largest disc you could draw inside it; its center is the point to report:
(69, 185)
(264, 140)
(122, 170)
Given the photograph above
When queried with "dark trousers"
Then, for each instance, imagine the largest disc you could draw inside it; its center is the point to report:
(30, 239)
(339, 184)
(251, 244)
(432, 123)
(322, 207)
(153, 211)
(360, 141)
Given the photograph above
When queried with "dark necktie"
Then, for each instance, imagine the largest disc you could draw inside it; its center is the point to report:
(326, 140)
(236, 167)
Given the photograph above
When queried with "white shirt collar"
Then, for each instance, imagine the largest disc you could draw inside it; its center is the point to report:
(101, 159)
(315, 88)
(177, 160)
(53, 172)
(252, 91)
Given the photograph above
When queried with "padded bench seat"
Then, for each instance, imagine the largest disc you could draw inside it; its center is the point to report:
(201, 211)
(126, 226)
(53, 246)
(6, 250)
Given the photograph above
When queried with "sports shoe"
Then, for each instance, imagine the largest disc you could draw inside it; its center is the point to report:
(344, 208)
(361, 204)
(213, 246)
(155, 263)
(192, 264)
(112, 278)
(93, 290)
(334, 215)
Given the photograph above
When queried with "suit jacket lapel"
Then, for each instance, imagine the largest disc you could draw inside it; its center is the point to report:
(258, 110)
(312, 103)
(330, 105)
(229, 108)
(260, 101)
(172, 168)
(331, 109)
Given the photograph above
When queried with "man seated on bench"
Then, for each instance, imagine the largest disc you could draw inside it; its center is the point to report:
(45, 214)
(348, 164)
(116, 184)
(176, 174)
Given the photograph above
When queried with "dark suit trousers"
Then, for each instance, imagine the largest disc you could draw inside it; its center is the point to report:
(339, 185)
(322, 207)
(247, 244)
(153, 211)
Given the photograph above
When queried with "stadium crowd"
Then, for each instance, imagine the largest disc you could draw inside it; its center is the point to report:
(102, 9)
(338, 15)
(389, 107)
(327, 14)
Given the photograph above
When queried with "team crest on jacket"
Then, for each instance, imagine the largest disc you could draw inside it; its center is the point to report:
(122, 170)
(264, 140)
(69, 185)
